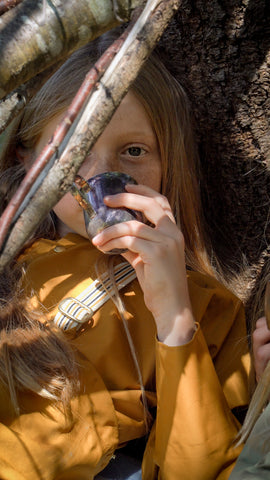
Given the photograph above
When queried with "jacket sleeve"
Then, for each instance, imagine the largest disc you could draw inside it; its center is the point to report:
(194, 427)
(194, 433)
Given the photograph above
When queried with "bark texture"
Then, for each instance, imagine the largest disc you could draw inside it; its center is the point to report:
(220, 51)
(33, 38)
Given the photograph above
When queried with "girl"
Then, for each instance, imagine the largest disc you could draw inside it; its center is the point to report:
(83, 373)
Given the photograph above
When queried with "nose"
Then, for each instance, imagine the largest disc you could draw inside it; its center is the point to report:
(99, 162)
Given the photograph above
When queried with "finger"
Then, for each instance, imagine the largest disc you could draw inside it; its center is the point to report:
(132, 258)
(136, 262)
(263, 354)
(260, 336)
(150, 206)
(261, 322)
(133, 244)
(143, 190)
(261, 359)
(124, 235)
(138, 230)
(166, 255)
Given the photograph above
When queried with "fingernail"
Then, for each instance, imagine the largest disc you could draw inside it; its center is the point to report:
(96, 238)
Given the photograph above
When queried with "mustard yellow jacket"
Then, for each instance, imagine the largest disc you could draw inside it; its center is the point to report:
(194, 386)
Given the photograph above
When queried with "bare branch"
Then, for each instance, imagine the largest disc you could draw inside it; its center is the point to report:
(28, 44)
(6, 5)
(101, 106)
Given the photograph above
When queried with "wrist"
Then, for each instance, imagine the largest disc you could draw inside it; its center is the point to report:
(179, 332)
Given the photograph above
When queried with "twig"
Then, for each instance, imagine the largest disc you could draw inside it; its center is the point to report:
(101, 106)
(6, 5)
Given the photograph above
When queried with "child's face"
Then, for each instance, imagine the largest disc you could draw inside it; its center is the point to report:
(128, 144)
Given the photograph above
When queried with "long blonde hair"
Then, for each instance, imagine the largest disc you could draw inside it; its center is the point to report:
(168, 108)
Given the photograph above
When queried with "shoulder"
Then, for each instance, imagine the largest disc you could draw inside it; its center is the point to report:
(54, 268)
(70, 255)
(47, 247)
(205, 290)
(217, 309)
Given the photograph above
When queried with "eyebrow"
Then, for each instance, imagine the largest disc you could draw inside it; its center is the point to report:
(139, 133)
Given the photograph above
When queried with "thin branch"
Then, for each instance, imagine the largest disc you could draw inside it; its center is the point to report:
(100, 108)
(6, 5)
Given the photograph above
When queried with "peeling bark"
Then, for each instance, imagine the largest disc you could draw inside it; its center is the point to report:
(32, 39)
(6, 5)
(14, 103)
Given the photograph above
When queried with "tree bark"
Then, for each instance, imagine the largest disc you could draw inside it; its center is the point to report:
(15, 102)
(220, 51)
(6, 5)
(32, 39)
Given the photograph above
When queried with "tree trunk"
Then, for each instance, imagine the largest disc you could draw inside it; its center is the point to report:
(220, 53)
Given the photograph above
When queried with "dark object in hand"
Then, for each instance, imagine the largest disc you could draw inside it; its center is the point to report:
(90, 194)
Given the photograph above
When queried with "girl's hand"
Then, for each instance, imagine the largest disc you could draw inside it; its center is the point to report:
(261, 346)
(157, 254)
